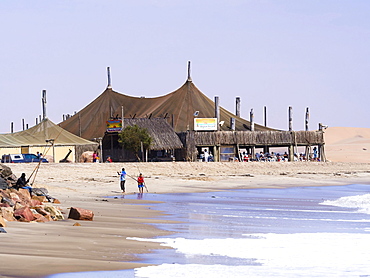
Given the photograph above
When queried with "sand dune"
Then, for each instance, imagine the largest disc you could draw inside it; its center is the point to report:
(347, 144)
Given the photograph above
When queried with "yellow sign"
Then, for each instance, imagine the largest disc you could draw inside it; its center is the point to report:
(205, 123)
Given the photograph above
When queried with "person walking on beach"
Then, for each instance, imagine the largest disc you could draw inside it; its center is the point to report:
(122, 178)
(140, 183)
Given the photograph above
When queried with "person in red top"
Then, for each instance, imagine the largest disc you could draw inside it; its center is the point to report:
(141, 183)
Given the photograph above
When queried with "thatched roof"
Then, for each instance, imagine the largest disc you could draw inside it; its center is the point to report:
(163, 135)
(90, 122)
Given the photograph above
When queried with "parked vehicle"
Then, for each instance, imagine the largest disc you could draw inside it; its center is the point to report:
(22, 158)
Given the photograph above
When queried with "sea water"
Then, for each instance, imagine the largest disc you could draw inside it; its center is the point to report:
(294, 232)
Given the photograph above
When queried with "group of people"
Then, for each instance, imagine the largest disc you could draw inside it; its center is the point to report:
(272, 157)
(140, 181)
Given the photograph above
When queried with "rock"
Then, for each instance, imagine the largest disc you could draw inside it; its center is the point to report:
(81, 214)
(86, 157)
(35, 203)
(40, 191)
(2, 231)
(76, 224)
(2, 222)
(7, 213)
(3, 183)
(41, 199)
(15, 198)
(24, 214)
(41, 218)
(5, 202)
(54, 212)
(56, 201)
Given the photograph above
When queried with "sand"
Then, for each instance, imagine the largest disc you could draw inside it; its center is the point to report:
(348, 144)
(37, 249)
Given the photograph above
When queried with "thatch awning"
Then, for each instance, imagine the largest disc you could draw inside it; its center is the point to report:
(259, 138)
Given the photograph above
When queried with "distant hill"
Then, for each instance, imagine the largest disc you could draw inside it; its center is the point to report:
(347, 144)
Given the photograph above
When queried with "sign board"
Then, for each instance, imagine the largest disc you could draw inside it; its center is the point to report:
(205, 124)
(114, 126)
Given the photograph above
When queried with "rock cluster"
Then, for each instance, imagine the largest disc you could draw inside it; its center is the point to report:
(38, 206)
(19, 205)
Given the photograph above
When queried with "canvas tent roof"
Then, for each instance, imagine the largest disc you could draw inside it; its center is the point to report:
(90, 122)
(38, 134)
(162, 134)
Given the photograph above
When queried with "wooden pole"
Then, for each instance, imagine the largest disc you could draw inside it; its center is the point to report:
(109, 79)
(237, 108)
(307, 118)
(265, 115)
(251, 119)
(290, 116)
(122, 117)
(43, 104)
(23, 124)
(79, 124)
(217, 111)
(232, 123)
(11, 127)
(189, 77)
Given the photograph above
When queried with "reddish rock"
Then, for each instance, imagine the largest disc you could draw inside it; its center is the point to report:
(4, 205)
(41, 218)
(56, 201)
(81, 214)
(35, 203)
(24, 214)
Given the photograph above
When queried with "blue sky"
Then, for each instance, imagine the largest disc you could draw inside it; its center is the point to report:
(274, 53)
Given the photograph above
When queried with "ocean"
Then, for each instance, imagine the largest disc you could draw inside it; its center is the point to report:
(293, 232)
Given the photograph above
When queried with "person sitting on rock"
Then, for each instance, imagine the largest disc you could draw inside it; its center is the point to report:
(22, 183)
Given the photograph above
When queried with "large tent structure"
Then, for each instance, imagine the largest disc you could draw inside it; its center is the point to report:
(177, 107)
(47, 138)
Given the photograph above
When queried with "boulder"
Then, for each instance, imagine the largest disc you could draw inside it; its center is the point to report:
(7, 213)
(41, 199)
(24, 214)
(54, 212)
(81, 214)
(3, 183)
(35, 203)
(86, 157)
(41, 218)
(2, 222)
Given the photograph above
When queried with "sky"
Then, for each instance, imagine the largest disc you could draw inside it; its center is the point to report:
(273, 53)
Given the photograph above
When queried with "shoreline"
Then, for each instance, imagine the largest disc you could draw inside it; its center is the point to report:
(56, 247)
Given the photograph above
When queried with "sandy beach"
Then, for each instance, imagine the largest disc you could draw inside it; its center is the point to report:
(54, 247)
(39, 249)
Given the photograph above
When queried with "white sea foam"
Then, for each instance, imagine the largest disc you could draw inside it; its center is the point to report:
(276, 255)
(360, 202)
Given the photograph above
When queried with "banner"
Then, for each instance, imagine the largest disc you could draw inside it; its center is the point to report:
(205, 123)
(114, 126)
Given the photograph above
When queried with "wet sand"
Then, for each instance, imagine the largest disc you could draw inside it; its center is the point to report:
(37, 249)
